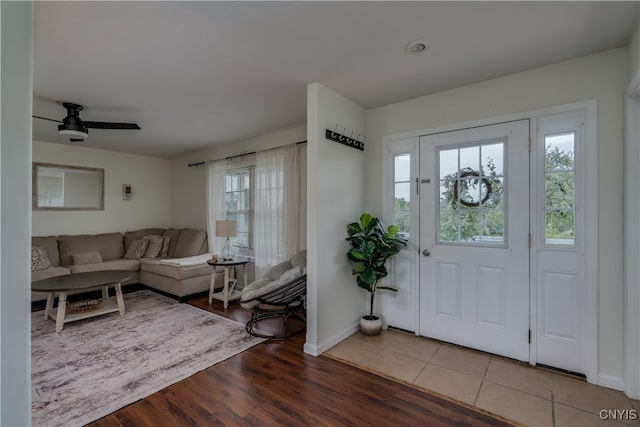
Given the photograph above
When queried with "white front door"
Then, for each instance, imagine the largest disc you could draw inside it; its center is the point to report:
(474, 238)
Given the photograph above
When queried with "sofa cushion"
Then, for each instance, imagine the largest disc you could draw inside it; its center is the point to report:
(130, 236)
(49, 272)
(110, 246)
(156, 266)
(154, 246)
(50, 243)
(116, 264)
(136, 250)
(276, 271)
(174, 235)
(190, 242)
(86, 258)
(39, 258)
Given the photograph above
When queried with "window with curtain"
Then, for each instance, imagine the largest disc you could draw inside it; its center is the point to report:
(266, 195)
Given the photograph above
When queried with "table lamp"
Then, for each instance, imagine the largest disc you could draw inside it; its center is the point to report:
(226, 229)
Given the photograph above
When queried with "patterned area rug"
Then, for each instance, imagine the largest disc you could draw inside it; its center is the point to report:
(96, 366)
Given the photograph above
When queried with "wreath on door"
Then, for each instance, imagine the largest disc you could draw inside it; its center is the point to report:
(467, 203)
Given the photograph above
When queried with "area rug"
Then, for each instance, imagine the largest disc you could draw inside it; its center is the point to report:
(98, 365)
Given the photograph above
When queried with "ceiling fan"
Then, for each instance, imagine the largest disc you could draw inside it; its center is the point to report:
(78, 129)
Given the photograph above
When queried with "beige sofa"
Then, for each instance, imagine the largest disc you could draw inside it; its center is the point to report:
(183, 272)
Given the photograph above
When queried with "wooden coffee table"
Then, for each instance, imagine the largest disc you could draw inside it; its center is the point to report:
(62, 285)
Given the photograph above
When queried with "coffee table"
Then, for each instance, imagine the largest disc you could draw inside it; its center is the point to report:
(62, 285)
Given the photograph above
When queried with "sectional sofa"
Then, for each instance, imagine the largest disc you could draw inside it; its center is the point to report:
(180, 271)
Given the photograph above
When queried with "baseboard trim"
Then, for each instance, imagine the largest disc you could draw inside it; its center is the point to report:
(610, 381)
(317, 350)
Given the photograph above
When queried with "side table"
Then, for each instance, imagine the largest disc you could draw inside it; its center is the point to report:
(229, 292)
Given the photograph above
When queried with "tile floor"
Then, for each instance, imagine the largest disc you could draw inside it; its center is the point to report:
(514, 390)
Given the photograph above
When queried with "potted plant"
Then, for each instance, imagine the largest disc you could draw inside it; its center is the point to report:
(371, 246)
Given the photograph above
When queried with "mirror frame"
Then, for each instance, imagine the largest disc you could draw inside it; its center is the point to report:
(34, 183)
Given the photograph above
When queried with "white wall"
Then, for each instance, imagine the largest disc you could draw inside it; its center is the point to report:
(603, 76)
(15, 213)
(188, 184)
(150, 205)
(336, 190)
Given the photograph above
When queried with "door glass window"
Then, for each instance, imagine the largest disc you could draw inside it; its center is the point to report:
(559, 189)
(471, 205)
(402, 193)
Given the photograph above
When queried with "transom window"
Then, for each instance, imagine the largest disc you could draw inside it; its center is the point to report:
(471, 205)
(560, 197)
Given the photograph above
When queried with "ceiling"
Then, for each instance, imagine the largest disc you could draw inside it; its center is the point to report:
(192, 74)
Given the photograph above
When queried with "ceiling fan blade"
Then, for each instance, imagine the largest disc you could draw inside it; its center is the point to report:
(110, 125)
(44, 118)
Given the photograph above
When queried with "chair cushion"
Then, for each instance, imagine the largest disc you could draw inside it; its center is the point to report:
(299, 259)
(276, 271)
(263, 286)
(49, 272)
(115, 264)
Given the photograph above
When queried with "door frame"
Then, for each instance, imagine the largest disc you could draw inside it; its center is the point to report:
(590, 226)
(632, 246)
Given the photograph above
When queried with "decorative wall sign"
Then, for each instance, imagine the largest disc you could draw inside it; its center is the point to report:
(344, 140)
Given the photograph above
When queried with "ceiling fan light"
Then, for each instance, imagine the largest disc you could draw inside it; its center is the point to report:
(75, 134)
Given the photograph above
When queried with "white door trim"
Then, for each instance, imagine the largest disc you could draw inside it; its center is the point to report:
(631, 244)
(391, 147)
(591, 206)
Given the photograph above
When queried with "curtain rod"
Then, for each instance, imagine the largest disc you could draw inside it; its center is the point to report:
(238, 155)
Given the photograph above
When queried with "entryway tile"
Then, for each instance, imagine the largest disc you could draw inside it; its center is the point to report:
(570, 417)
(450, 383)
(462, 360)
(519, 376)
(396, 365)
(354, 351)
(515, 405)
(385, 338)
(587, 397)
(416, 347)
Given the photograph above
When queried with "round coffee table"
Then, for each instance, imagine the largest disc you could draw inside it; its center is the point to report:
(63, 285)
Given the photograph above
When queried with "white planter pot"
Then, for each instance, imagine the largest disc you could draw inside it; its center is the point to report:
(371, 325)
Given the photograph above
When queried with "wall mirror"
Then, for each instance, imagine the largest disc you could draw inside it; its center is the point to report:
(67, 188)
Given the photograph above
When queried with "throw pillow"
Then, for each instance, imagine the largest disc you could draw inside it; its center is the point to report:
(86, 258)
(154, 246)
(39, 258)
(164, 251)
(136, 249)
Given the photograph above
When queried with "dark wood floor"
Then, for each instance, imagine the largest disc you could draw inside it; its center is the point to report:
(275, 383)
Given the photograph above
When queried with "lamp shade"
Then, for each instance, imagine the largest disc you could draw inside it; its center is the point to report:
(226, 228)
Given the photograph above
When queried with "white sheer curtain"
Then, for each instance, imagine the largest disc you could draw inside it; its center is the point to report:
(216, 202)
(277, 206)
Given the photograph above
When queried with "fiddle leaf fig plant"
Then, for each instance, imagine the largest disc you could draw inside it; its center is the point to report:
(371, 246)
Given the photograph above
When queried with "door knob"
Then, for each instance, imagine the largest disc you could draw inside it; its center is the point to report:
(426, 252)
